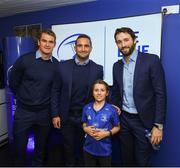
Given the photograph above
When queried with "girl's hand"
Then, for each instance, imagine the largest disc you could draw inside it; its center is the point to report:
(100, 134)
(89, 130)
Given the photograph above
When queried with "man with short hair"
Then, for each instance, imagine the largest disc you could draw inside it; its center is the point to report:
(31, 80)
(76, 77)
(140, 92)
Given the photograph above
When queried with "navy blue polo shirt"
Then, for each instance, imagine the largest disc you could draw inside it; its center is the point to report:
(106, 118)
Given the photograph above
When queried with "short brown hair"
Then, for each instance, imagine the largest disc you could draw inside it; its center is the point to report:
(49, 32)
(125, 30)
(83, 36)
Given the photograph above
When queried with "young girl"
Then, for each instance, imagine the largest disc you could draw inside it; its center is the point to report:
(100, 122)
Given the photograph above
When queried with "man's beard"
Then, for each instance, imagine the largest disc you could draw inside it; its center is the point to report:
(131, 49)
(82, 58)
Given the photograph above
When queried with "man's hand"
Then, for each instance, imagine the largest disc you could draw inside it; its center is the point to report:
(117, 108)
(56, 122)
(157, 135)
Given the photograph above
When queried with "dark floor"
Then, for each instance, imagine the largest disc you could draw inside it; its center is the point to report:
(53, 160)
(54, 156)
(5, 156)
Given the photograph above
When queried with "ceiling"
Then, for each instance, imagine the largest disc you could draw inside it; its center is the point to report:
(12, 7)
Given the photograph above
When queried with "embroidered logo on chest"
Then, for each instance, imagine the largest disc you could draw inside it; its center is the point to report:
(104, 118)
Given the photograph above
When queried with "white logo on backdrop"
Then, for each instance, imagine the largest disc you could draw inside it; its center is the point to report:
(66, 46)
(105, 52)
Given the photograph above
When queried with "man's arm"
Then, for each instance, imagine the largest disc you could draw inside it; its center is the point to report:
(159, 86)
(16, 75)
(55, 98)
(115, 97)
(100, 74)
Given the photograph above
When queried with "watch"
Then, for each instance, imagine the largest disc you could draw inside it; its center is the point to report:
(159, 126)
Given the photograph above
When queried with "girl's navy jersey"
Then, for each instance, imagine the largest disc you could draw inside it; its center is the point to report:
(106, 118)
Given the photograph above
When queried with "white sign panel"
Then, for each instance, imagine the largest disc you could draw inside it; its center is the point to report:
(147, 29)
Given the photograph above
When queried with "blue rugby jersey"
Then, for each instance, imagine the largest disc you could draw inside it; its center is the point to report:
(106, 118)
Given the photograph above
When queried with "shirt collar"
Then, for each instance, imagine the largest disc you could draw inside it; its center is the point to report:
(133, 56)
(79, 63)
(39, 55)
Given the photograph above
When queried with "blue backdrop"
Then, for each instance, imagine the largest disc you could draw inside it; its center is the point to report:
(13, 47)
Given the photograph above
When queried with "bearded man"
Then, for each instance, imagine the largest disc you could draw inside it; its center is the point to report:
(140, 92)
